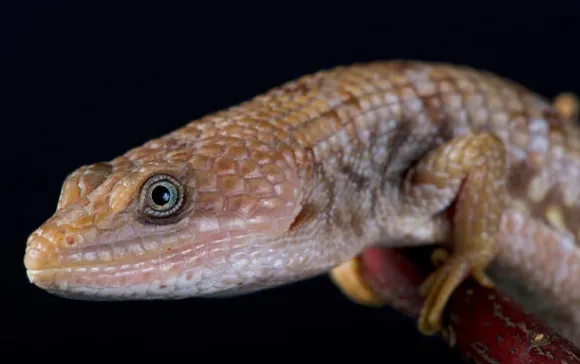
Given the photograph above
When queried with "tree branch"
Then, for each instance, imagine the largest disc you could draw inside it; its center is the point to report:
(483, 324)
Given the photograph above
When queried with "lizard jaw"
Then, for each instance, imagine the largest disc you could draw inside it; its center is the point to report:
(224, 265)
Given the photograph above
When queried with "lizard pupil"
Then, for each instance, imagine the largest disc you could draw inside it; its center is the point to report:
(161, 195)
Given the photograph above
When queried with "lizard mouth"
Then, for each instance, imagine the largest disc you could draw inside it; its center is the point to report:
(180, 267)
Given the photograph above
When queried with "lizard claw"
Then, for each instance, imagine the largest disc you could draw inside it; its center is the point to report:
(441, 284)
(481, 277)
(439, 256)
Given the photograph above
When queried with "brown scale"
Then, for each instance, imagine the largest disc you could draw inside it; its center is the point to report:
(343, 155)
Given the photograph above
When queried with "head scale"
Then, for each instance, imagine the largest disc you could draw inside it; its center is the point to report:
(171, 220)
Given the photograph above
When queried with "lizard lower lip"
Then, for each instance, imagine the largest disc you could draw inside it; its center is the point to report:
(43, 278)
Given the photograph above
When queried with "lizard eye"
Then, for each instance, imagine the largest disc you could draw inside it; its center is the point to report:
(161, 196)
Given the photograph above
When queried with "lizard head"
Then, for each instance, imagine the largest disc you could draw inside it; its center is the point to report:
(172, 220)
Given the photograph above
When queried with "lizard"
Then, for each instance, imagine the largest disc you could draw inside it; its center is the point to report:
(298, 181)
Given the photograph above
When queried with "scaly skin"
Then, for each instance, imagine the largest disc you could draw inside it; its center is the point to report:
(300, 180)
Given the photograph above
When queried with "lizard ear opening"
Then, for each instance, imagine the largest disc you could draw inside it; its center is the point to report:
(305, 216)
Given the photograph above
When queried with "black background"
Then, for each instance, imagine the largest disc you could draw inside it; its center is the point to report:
(84, 81)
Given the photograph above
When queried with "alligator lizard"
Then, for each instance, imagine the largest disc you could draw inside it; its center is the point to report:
(298, 181)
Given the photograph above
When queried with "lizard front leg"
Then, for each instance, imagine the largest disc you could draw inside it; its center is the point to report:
(465, 176)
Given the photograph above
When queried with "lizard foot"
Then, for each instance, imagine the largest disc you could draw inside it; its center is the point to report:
(440, 285)
(348, 278)
(567, 104)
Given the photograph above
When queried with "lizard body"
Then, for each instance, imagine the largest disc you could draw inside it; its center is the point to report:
(301, 179)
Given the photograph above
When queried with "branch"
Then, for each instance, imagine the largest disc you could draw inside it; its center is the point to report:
(483, 324)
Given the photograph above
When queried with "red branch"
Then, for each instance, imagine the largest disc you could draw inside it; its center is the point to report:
(483, 324)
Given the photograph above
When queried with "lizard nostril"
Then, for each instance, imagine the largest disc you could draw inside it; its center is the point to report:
(70, 240)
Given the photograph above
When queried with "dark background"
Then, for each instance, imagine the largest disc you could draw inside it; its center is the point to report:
(83, 82)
